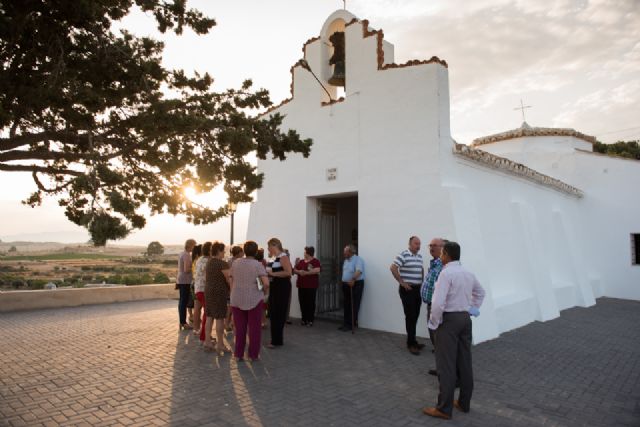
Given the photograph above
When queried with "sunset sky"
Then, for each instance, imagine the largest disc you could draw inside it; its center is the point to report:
(577, 63)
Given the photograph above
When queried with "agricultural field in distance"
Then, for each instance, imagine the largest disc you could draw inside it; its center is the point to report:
(31, 265)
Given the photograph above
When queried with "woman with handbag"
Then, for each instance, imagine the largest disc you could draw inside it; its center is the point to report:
(249, 284)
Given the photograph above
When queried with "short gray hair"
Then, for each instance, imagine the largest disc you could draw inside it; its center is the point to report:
(352, 248)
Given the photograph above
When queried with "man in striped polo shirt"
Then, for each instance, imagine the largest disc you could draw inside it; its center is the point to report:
(408, 270)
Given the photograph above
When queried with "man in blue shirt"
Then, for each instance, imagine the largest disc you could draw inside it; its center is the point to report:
(352, 284)
(428, 286)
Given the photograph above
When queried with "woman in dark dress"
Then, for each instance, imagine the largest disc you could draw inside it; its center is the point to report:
(216, 293)
(279, 271)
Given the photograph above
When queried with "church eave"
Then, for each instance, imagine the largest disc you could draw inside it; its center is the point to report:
(532, 131)
(304, 46)
(513, 168)
(333, 101)
(286, 100)
(379, 34)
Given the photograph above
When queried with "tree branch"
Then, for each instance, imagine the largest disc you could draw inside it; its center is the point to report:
(41, 186)
(11, 143)
(35, 168)
(39, 155)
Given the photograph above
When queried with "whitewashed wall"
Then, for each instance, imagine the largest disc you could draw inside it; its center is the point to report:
(610, 209)
(517, 237)
(384, 141)
(390, 142)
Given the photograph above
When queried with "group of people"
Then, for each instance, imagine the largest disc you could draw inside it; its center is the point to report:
(235, 292)
(243, 287)
(452, 295)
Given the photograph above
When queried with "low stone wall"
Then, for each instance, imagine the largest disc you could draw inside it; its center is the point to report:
(31, 300)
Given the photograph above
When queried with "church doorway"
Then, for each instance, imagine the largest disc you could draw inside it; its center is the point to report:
(337, 226)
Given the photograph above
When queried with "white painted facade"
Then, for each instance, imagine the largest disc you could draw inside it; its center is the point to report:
(610, 209)
(389, 143)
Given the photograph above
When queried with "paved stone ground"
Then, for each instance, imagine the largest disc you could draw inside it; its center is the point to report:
(127, 364)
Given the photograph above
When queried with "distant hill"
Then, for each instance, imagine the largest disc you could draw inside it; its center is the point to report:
(77, 237)
(39, 248)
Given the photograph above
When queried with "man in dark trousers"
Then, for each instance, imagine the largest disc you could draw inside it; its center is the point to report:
(428, 285)
(457, 293)
(408, 270)
(352, 286)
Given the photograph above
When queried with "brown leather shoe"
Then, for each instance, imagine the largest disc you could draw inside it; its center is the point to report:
(414, 350)
(436, 413)
(456, 404)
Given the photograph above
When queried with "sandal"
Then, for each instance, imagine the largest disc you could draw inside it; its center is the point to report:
(209, 348)
(222, 351)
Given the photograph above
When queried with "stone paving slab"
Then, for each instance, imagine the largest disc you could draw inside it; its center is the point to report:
(127, 364)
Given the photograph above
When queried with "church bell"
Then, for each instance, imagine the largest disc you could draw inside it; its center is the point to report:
(337, 79)
(337, 59)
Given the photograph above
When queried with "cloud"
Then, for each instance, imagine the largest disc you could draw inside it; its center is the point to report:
(488, 44)
(567, 57)
(610, 114)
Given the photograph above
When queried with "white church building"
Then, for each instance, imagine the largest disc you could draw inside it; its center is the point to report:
(544, 223)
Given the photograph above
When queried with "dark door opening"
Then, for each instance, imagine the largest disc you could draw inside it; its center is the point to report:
(337, 227)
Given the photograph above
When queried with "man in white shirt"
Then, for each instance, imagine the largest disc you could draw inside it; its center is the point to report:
(457, 293)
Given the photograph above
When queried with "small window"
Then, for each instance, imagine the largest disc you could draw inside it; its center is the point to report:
(635, 249)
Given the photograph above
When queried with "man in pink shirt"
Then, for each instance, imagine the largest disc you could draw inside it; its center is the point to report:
(457, 293)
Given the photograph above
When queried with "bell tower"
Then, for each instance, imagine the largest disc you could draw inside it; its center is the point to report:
(333, 51)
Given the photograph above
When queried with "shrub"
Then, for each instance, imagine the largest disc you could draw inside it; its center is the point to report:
(37, 283)
(19, 283)
(161, 278)
(131, 279)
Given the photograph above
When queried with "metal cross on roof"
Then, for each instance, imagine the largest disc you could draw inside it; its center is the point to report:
(522, 107)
